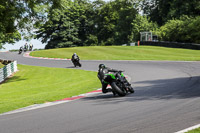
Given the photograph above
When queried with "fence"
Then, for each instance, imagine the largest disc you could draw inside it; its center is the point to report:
(172, 44)
(8, 70)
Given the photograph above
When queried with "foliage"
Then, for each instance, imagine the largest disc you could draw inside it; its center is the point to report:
(81, 23)
(17, 17)
(66, 23)
(92, 40)
(142, 24)
(116, 21)
(161, 11)
(67, 26)
(185, 29)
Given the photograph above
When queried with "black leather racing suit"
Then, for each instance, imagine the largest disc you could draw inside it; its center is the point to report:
(75, 57)
(102, 76)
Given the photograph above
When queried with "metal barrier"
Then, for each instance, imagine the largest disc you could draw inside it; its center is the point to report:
(8, 70)
(171, 44)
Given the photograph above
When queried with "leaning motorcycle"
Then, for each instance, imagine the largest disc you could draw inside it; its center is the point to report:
(76, 62)
(20, 51)
(119, 83)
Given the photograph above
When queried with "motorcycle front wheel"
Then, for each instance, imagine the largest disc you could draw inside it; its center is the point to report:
(120, 91)
(131, 90)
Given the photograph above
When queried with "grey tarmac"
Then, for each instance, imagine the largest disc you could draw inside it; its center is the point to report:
(166, 100)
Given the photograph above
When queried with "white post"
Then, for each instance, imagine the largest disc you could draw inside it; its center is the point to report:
(15, 66)
(1, 75)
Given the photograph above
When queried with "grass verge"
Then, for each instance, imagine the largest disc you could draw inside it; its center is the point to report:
(122, 53)
(1, 65)
(195, 131)
(34, 85)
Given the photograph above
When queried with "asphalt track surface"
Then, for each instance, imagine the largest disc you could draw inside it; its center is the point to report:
(166, 100)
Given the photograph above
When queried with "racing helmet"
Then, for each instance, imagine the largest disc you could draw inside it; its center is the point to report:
(101, 66)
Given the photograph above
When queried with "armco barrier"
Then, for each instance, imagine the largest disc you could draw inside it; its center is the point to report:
(172, 44)
(8, 70)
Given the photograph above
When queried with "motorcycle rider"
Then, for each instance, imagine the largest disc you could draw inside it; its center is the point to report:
(75, 60)
(30, 46)
(20, 49)
(25, 47)
(103, 75)
(75, 57)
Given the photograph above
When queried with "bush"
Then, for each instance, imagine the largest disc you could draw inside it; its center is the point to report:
(185, 29)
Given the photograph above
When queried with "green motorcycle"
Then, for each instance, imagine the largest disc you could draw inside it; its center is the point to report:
(119, 83)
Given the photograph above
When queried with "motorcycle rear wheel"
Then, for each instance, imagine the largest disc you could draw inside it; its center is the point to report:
(117, 89)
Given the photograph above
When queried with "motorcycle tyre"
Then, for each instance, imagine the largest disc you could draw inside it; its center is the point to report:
(74, 63)
(117, 89)
(131, 90)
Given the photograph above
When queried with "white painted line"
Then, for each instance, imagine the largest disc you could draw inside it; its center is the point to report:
(189, 129)
(35, 106)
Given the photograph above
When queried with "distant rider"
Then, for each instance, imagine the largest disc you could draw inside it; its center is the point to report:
(103, 75)
(25, 47)
(20, 49)
(75, 57)
(30, 46)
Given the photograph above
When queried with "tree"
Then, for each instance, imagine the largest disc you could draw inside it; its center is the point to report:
(69, 26)
(60, 30)
(161, 11)
(81, 23)
(119, 22)
(16, 17)
(185, 29)
(105, 24)
(127, 14)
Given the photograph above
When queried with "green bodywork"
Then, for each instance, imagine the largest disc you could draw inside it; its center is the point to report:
(105, 82)
(112, 75)
(122, 74)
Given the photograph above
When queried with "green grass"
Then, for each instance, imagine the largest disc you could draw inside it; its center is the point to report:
(195, 131)
(1, 65)
(122, 53)
(34, 85)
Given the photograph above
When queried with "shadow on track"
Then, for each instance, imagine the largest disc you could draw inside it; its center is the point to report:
(71, 67)
(177, 88)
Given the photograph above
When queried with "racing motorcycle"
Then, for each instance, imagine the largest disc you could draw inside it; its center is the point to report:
(76, 62)
(20, 50)
(119, 83)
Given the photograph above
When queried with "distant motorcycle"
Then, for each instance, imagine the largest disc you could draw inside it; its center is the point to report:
(119, 83)
(25, 49)
(20, 50)
(76, 62)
